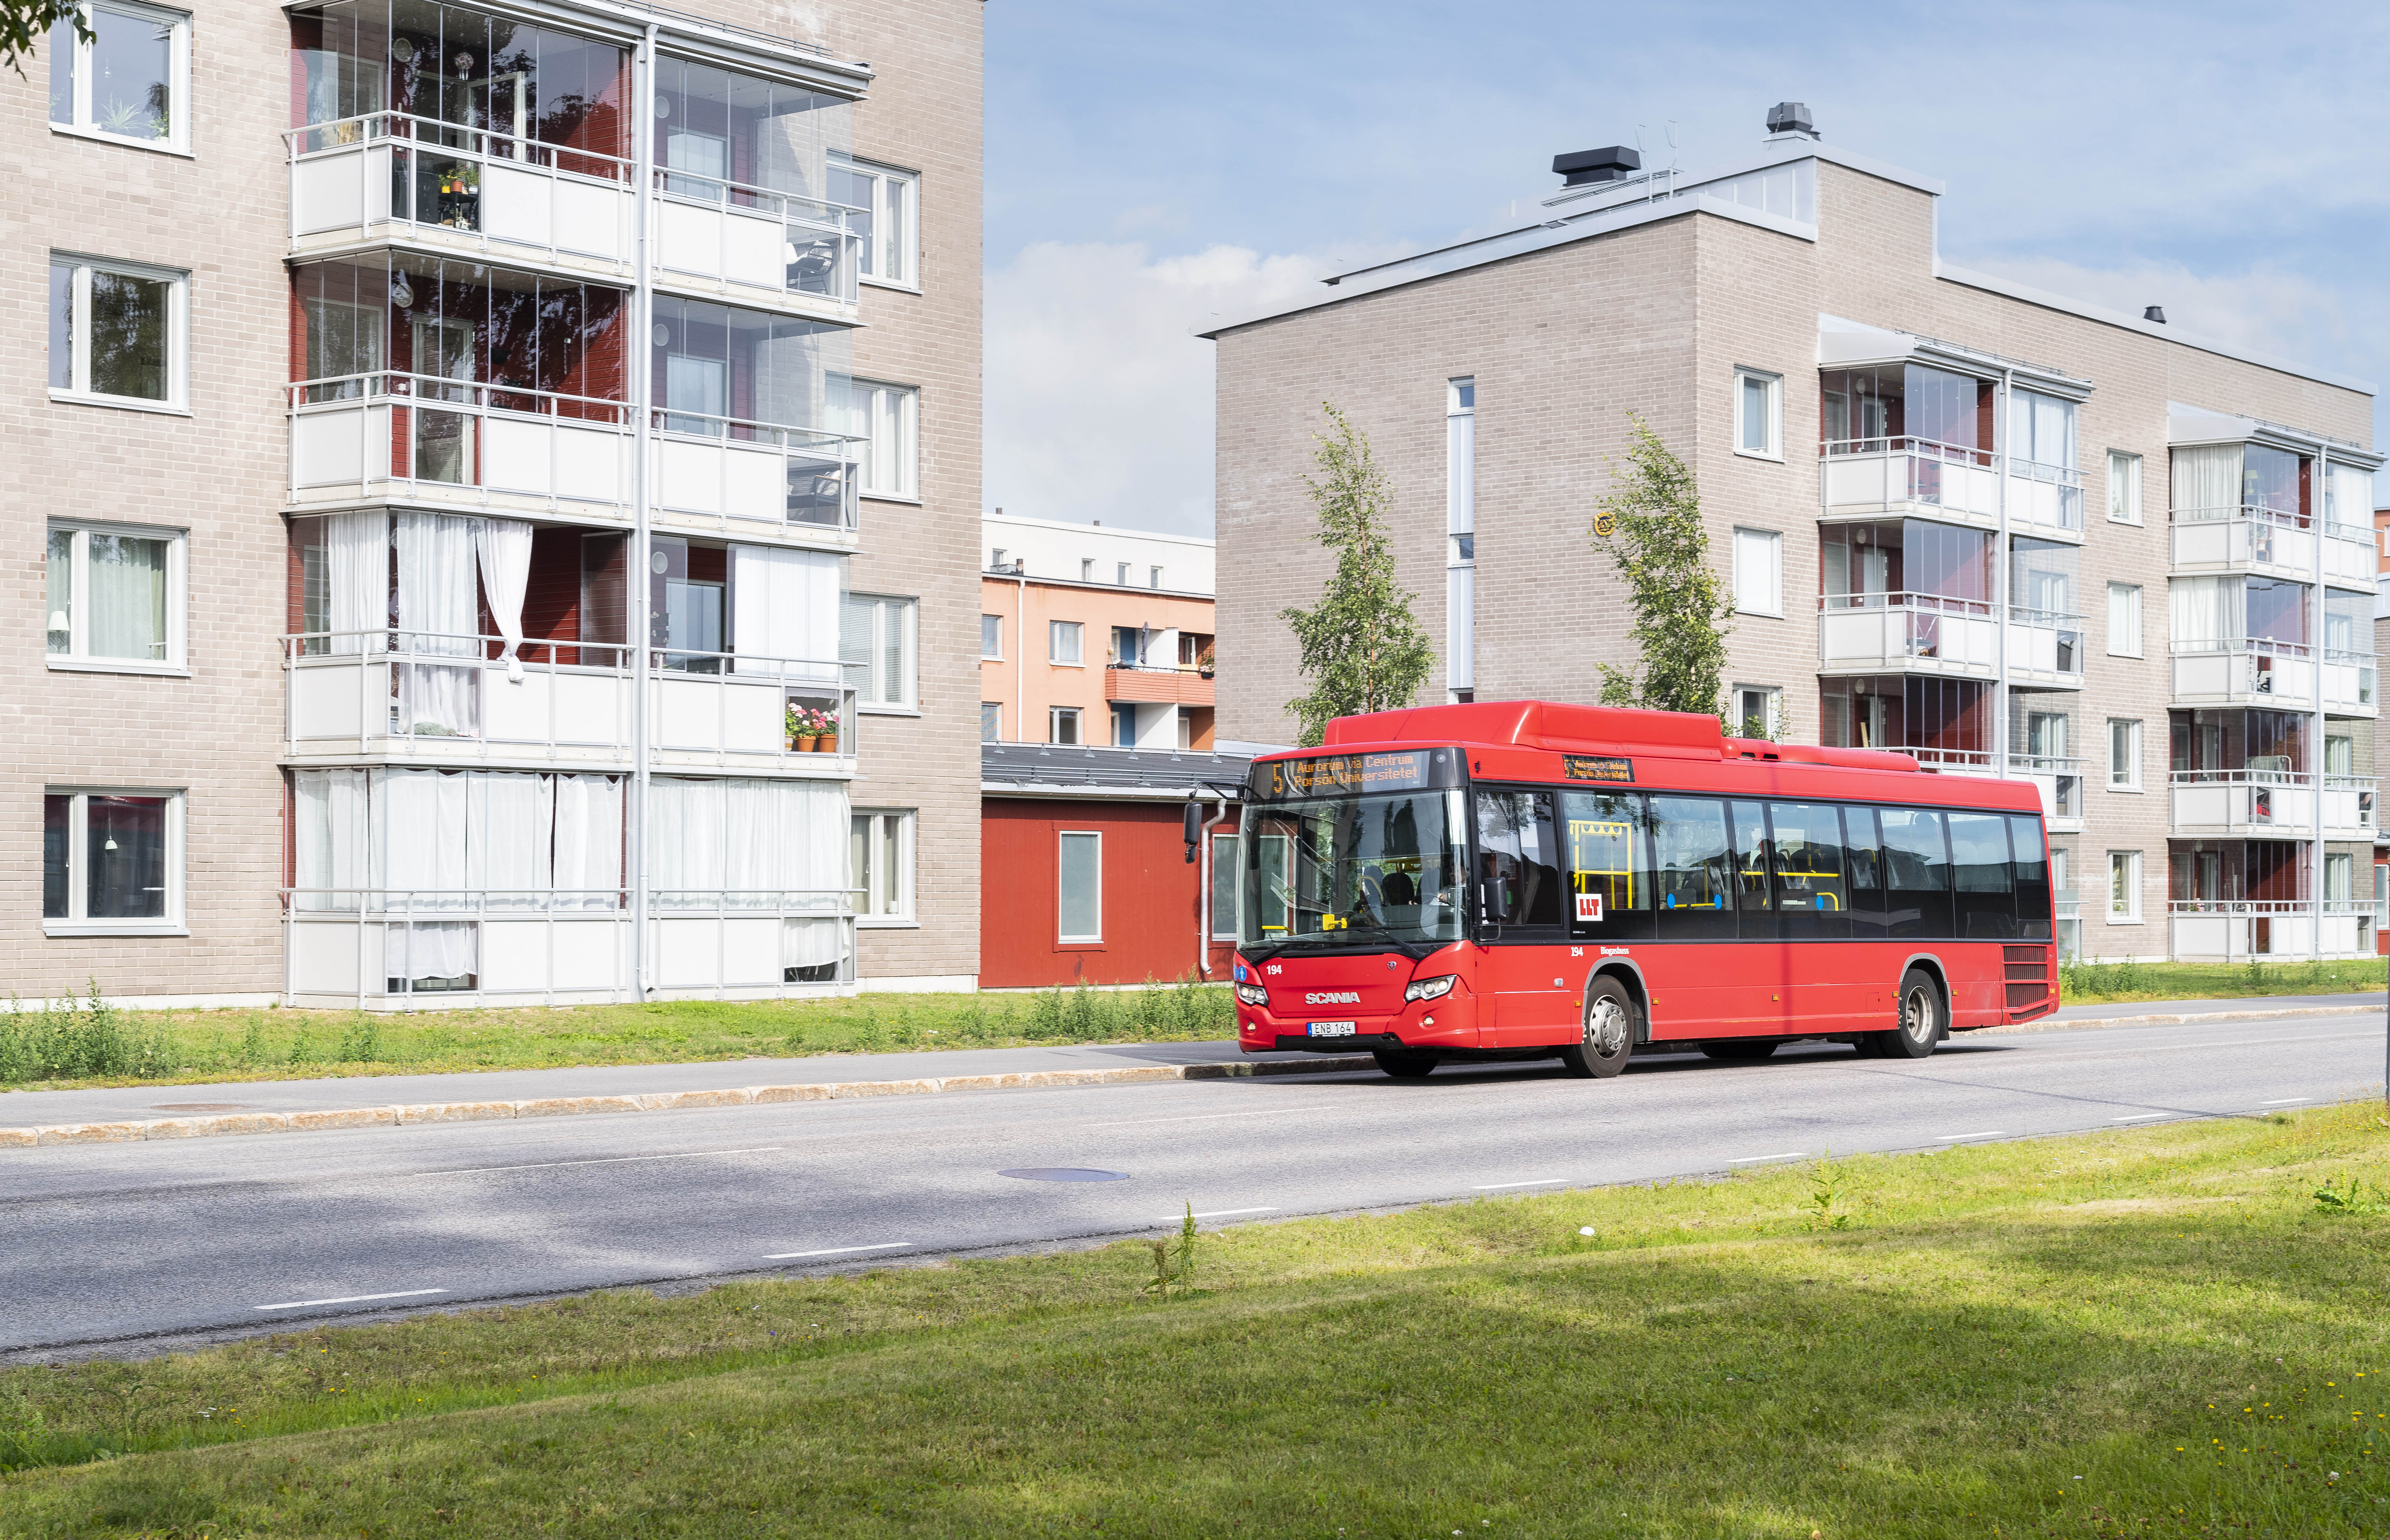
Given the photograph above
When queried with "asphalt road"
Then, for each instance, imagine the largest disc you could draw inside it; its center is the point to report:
(154, 1244)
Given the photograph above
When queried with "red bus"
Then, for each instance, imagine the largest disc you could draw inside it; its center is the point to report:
(1524, 879)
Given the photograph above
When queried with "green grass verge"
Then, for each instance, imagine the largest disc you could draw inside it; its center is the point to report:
(2091, 984)
(2159, 1331)
(91, 1043)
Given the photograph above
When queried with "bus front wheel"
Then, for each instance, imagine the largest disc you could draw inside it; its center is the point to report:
(1404, 1065)
(1921, 1012)
(1608, 1038)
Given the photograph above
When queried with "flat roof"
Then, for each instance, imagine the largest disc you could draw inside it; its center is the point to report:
(1091, 770)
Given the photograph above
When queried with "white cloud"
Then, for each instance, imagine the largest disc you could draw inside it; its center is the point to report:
(1098, 395)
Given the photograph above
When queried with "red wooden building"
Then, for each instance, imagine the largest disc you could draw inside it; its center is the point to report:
(1084, 875)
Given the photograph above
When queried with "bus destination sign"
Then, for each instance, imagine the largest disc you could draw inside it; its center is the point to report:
(1591, 767)
(1332, 775)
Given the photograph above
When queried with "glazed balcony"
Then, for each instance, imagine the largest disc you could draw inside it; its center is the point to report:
(2060, 781)
(1901, 632)
(726, 475)
(2244, 539)
(1157, 684)
(2351, 681)
(751, 245)
(2237, 930)
(452, 442)
(2045, 649)
(2262, 801)
(1872, 478)
(2247, 672)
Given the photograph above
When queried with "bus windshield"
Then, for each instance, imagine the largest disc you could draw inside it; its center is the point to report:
(1352, 873)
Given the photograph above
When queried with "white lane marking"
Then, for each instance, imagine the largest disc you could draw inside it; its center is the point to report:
(1788, 1155)
(1547, 1182)
(1201, 1117)
(1216, 1213)
(603, 1160)
(350, 1299)
(2141, 1117)
(2286, 1102)
(1986, 1133)
(839, 1251)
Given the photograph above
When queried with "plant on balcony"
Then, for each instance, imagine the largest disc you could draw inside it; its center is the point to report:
(1650, 524)
(1360, 647)
(826, 732)
(800, 729)
(1204, 665)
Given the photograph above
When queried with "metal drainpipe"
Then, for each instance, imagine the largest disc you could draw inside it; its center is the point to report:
(2000, 424)
(1021, 654)
(1203, 891)
(643, 312)
(2317, 515)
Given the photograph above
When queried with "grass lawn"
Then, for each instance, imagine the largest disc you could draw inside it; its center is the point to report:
(83, 1043)
(2158, 1331)
(2091, 984)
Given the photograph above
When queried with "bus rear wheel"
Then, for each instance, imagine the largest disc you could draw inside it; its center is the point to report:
(1608, 1038)
(1403, 1064)
(1922, 1019)
(1742, 1050)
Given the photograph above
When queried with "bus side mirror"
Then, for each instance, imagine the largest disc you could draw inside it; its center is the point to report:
(1190, 820)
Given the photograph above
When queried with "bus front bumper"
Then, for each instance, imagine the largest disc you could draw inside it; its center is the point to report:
(1447, 1023)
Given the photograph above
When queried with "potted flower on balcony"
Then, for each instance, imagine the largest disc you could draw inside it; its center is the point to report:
(800, 725)
(826, 732)
(1203, 664)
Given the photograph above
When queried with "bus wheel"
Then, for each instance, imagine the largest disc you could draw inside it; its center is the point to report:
(1920, 1020)
(1405, 1066)
(1742, 1050)
(1609, 1033)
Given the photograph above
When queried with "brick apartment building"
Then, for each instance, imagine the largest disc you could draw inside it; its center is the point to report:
(2008, 533)
(502, 489)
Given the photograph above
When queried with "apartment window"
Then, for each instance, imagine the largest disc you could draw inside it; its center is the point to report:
(2058, 859)
(2124, 755)
(1080, 866)
(111, 861)
(1061, 724)
(1758, 573)
(115, 598)
(2124, 887)
(887, 418)
(991, 635)
(1186, 727)
(876, 635)
(887, 220)
(1460, 538)
(991, 721)
(1760, 414)
(2339, 755)
(118, 331)
(1154, 577)
(129, 81)
(1120, 574)
(1064, 640)
(2123, 620)
(2339, 877)
(880, 849)
(1758, 710)
(995, 558)
(1088, 569)
(1124, 725)
(2124, 487)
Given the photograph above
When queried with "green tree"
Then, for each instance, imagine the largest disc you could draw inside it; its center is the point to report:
(25, 23)
(1361, 649)
(1650, 524)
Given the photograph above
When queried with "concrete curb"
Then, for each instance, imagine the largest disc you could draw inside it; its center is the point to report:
(2053, 1024)
(224, 1124)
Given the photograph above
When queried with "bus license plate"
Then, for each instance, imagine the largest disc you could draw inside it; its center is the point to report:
(1333, 1029)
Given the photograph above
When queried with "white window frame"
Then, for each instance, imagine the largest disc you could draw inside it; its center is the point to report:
(178, 73)
(888, 417)
(178, 333)
(1774, 385)
(2125, 500)
(1222, 843)
(1060, 937)
(78, 922)
(1056, 716)
(2131, 768)
(985, 656)
(2344, 863)
(2131, 913)
(1773, 711)
(1774, 576)
(2129, 593)
(904, 225)
(77, 658)
(1076, 632)
(901, 916)
(889, 610)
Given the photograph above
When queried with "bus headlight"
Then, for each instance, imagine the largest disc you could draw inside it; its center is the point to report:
(1430, 989)
(1253, 994)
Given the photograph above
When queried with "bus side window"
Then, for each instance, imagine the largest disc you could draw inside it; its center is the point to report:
(1750, 871)
(1866, 857)
(2030, 851)
(1518, 858)
(1979, 847)
(1811, 893)
(1692, 869)
(1609, 866)
(1917, 869)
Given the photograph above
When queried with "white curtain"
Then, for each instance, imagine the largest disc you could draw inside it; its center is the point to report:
(685, 842)
(128, 597)
(331, 836)
(2207, 477)
(2348, 499)
(437, 949)
(813, 859)
(356, 557)
(752, 830)
(2204, 609)
(419, 821)
(436, 615)
(507, 822)
(504, 546)
(588, 840)
(784, 605)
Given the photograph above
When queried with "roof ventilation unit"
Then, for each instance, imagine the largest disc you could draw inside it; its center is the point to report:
(2154, 313)
(1591, 167)
(1792, 118)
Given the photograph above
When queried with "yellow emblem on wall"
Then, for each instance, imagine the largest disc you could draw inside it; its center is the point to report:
(1605, 524)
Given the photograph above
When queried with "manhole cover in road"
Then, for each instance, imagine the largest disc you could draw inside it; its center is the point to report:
(202, 1106)
(1064, 1174)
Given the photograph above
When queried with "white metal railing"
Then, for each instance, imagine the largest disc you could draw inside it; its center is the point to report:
(2045, 642)
(1879, 629)
(2050, 495)
(2247, 775)
(1975, 759)
(1959, 477)
(817, 251)
(2238, 906)
(735, 469)
(429, 431)
(2344, 669)
(2064, 774)
(2257, 513)
(2265, 644)
(440, 696)
(1931, 449)
(435, 134)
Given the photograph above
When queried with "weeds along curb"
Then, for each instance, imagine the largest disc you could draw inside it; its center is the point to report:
(220, 1124)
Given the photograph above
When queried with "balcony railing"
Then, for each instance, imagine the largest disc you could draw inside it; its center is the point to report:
(1891, 630)
(452, 183)
(754, 238)
(2229, 929)
(554, 945)
(456, 439)
(2060, 779)
(2350, 682)
(1887, 473)
(456, 698)
(2049, 496)
(2245, 536)
(2046, 645)
(1163, 683)
(2232, 670)
(727, 468)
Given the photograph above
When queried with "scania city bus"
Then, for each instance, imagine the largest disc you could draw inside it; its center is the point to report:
(1524, 879)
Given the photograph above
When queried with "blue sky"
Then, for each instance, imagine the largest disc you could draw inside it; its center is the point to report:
(1151, 165)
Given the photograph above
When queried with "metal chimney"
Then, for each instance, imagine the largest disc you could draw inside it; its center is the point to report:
(2154, 313)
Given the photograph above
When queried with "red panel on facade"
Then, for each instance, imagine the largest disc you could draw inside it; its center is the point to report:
(1150, 891)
